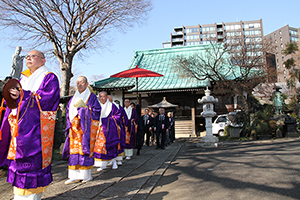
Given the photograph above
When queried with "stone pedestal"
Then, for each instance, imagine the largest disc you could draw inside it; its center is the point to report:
(208, 141)
(208, 112)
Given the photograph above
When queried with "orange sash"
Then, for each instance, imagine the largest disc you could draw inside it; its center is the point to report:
(1, 109)
(94, 128)
(12, 119)
(14, 129)
(47, 120)
(127, 137)
(75, 136)
(135, 126)
(119, 132)
(100, 142)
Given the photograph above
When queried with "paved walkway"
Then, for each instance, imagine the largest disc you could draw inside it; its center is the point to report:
(237, 170)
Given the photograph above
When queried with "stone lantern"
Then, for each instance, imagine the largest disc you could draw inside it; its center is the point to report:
(208, 112)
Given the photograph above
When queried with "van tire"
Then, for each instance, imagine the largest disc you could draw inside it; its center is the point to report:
(221, 133)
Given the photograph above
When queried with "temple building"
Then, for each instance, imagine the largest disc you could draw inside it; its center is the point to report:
(178, 90)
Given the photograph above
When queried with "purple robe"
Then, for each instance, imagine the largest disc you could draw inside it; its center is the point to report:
(84, 113)
(112, 136)
(131, 128)
(123, 121)
(26, 170)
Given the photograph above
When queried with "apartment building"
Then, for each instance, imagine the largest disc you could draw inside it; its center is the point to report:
(217, 32)
(279, 39)
(243, 37)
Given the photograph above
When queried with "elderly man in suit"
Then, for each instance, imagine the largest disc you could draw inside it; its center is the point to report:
(161, 126)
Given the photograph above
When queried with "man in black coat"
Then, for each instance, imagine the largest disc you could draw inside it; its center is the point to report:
(161, 126)
(171, 127)
(147, 122)
(139, 137)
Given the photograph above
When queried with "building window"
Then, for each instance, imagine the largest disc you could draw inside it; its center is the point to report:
(233, 41)
(208, 35)
(280, 38)
(208, 29)
(233, 33)
(293, 32)
(282, 58)
(274, 34)
(275, 41)
(191, 37)
(294, 39)
(280, 32)
(281, 45)
(251, 25)
(191, 43)
(191, 30)
(254, 39)
(232, 27)
(254, 32)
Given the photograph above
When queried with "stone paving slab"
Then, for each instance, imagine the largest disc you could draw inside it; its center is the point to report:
(139, 174)
(235, 170)
(238, 170)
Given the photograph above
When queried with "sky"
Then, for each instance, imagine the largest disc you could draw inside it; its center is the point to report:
(162, 19)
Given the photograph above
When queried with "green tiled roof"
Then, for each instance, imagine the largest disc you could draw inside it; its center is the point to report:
(160, 61)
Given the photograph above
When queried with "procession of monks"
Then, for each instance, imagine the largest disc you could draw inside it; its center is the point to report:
(100, 132)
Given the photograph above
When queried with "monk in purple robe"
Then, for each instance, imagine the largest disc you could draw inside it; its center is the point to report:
(22, 151)
(132, 123)
(107, 140)
(123, 121)
(83, 112)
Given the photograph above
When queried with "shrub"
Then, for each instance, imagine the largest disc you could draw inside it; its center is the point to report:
(272, 128)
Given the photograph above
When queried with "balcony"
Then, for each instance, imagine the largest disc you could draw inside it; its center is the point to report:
(177, 33)
(177, 40)
(177, 28)
(219, 29)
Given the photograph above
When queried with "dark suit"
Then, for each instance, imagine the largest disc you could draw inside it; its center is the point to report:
(172, 129)
(147, 122)
(161, 123)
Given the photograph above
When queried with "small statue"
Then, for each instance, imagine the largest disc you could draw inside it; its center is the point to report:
(277, 101)
(17, 64)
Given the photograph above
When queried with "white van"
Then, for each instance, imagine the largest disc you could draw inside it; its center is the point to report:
(219, 125)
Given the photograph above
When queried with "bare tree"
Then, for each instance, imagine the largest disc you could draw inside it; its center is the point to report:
(70, 25)
(96, 78)
(235, 67)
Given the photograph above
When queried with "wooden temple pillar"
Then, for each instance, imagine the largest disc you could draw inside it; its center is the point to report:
(193, 113)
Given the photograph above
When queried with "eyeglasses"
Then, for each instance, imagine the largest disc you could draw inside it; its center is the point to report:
(33, 56)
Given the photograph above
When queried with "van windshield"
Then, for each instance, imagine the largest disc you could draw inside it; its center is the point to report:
(221, 119)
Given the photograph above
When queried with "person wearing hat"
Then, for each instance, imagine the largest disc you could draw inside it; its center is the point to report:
(22, 140)
(83, 112)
